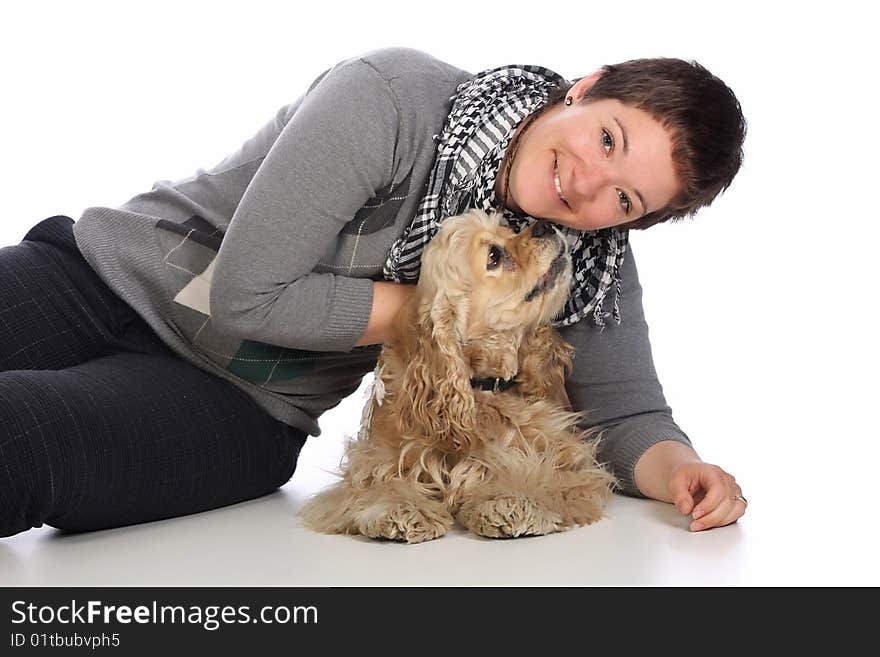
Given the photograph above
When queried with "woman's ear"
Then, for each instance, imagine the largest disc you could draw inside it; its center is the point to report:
(436, 397)
(582, 86)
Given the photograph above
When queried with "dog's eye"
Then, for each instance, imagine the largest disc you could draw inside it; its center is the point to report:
(494, 257)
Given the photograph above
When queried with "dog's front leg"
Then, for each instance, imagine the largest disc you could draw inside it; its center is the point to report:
(375, 500)
(397, 511)
(500, 510)
(392, 510)
(526, 492)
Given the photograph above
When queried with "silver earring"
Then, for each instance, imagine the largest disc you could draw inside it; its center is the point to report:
(568, 100)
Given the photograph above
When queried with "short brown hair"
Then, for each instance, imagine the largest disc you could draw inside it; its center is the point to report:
(700, 111)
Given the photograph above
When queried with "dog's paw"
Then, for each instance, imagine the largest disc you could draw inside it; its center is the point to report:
(404, 521)
(509, 516)
(584, 504)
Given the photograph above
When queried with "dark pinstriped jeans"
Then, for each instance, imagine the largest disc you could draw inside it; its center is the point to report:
(101, 424)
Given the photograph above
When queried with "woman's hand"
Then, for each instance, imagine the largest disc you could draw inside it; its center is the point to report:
(388, 297)
(670, 471)
(706, 492)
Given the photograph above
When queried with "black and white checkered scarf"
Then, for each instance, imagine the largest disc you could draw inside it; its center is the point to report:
(485, 113)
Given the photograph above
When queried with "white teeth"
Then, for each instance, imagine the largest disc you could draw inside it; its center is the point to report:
(559, 185)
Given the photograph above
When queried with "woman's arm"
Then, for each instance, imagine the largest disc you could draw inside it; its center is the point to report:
(335, 151)
(615, 381)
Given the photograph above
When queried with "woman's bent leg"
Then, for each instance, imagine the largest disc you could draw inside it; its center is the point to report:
(129, 438)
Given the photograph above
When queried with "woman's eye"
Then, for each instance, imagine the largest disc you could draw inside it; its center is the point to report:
(494, 257)
(607, 141)
(624, 202)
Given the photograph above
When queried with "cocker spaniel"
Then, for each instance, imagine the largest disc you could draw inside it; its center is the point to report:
(469, 419)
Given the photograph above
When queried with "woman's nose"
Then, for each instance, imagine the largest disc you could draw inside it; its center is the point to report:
(588, 180)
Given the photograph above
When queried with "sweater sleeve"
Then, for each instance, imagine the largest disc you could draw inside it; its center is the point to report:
(329, 159)
(614, 380)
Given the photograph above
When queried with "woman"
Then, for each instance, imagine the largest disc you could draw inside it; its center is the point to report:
(172, 355)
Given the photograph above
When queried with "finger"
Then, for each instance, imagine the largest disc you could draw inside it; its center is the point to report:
(712, 509)
(681, 496)
(686, 492)
(716, 491)
(737, 510)
(735, 514)
(715, 517)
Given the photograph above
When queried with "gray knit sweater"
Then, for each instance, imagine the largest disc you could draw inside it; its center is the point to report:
(260, 269)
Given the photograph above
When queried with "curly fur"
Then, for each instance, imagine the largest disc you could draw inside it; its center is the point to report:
(504, 464)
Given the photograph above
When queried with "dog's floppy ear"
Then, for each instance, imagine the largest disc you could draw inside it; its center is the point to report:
(437, 400)
(545, 361)
(436, 393)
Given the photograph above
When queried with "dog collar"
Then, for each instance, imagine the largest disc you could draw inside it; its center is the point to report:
(493, 385)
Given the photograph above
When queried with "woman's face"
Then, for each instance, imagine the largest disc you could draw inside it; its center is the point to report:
(614, 164)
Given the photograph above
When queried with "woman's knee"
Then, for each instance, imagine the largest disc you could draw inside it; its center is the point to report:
(291, 443)
(29, 477)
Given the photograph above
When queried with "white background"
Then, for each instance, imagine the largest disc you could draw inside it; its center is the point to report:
(762, 311)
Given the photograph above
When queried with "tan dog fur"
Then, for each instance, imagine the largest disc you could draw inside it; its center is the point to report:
(504, 464)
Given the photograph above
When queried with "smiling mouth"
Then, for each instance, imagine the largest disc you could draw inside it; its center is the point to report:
(559, 184)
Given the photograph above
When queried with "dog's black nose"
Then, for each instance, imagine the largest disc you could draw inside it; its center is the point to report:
(542, 229)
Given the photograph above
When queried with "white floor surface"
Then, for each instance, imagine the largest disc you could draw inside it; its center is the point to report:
(639, 543)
